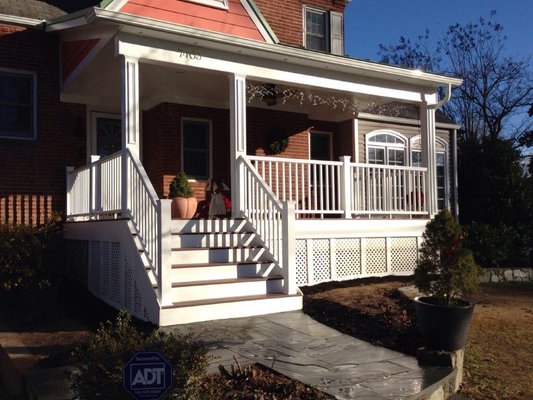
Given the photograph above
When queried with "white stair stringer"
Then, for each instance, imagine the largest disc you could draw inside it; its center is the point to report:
(220, 270)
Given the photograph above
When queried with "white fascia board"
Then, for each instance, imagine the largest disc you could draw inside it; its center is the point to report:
(152, 27)
(20, 21)
(367, 228)
(405, 121)
(144, 50)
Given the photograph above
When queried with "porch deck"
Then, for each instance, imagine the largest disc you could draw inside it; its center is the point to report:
(297, 346)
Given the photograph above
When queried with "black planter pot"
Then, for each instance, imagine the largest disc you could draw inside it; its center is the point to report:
(443, 327)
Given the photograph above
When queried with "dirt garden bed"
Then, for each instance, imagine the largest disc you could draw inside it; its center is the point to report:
(499, 354)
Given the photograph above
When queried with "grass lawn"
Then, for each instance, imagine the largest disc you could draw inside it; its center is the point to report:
(499, 351)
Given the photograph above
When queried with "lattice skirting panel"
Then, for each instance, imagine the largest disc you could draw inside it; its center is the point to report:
(322, 260)
(111, 278)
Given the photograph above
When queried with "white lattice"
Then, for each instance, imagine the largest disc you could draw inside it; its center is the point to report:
(106, 267)
(94, 266)
(348, 257)
(128, 286)
(301, 262)
(376, 256)
(138, 302)
(404, 253)
(321, 260)
(115, 272)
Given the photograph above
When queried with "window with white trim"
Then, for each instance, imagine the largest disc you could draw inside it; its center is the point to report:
(323, 30)
(196, 148)
(442, 167)
(385, 147)
(17, 105)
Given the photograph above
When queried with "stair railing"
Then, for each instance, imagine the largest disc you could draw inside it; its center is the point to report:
(272, 220)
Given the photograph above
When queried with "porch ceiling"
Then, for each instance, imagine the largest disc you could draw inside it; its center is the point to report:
(98, 86)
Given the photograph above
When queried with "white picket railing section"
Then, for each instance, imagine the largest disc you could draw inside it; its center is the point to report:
(272, 219)
(344, 188)
(117, 186)
(387, 189)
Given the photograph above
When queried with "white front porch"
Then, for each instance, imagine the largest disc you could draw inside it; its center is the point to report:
(300, 220)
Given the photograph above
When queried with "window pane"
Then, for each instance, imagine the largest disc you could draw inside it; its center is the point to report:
(16, 121)
(196, 151)
(108, 136)
(16, 105)
(315, 35)
(320, 147)
(441, 180)
(416, 159)
(376, 156)
(396, 157)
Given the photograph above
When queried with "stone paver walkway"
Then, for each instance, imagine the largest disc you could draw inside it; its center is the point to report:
(297, 346)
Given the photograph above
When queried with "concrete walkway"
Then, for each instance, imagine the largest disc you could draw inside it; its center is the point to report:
(299, 347)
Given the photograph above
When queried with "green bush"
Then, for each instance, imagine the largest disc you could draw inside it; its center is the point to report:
(445, 269)
(179, 187)
(30, 255)
(98, 366)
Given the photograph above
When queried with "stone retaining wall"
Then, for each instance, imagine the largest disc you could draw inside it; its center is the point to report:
(496, 275)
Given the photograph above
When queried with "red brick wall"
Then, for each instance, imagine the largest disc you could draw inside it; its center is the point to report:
(162, 144)
(286, 17)
(32, 181)
(162, 139)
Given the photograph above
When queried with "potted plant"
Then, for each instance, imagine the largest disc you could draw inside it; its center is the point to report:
(446, 271)
(183, 201)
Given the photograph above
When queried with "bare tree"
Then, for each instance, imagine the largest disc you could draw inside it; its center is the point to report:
(497, 90)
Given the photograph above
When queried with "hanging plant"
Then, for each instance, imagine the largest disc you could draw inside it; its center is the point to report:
(277, 141)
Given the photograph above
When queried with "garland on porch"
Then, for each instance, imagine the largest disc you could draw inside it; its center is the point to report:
(270, 93)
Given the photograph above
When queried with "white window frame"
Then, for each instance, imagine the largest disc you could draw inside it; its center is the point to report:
(33, 76)
(327, 37)
(324, 133)
(210, 123)
(94, 134)
(386, 146)
(416, 145)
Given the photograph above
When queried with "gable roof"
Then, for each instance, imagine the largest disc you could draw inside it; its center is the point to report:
(239, 18)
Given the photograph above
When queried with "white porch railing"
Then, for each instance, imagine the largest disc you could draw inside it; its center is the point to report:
(117, 186)
(273, 221)
(344, 188)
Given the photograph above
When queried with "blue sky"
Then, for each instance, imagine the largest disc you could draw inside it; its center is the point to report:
(370, 22)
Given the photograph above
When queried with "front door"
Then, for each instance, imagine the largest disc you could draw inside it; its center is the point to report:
(107, 134)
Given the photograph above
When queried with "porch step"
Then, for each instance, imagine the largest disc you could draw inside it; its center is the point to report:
(214, 239)
(208, 225)
(198, 272)
(222, 288)
(186, 312)
(202, 255)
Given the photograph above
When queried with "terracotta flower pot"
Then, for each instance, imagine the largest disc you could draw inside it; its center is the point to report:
(192, 204)
(179, 207)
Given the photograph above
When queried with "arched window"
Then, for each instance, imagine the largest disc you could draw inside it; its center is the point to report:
(385, 147)
(442, 167)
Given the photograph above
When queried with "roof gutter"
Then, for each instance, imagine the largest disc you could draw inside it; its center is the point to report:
(21, 21)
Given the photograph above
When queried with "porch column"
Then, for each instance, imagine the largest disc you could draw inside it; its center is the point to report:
(129, 91)
(427, 122)
(237, 106)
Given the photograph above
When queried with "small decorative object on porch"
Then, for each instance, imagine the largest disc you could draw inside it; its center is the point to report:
(183, 201)
(219, 191)
(445, 270)
(277, 141)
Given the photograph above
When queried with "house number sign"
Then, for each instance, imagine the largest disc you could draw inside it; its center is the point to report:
(190, 54)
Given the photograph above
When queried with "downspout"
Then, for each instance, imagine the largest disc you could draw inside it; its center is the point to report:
(455, 176)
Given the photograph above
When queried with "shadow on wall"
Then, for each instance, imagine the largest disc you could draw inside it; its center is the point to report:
(25, 208)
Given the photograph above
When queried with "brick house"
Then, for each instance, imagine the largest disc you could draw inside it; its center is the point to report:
(334, 165)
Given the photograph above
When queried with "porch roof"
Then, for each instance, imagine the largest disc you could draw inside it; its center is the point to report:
(148, 27)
